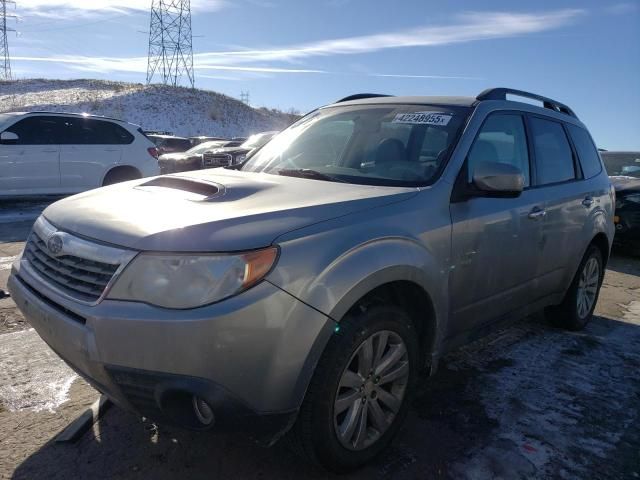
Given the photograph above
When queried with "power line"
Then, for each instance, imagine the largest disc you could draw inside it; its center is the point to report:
(170, 42)
(244, 97)
(5, 60)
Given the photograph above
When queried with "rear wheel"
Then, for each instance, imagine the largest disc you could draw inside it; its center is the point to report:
(120, 174)
(580, 301)
(357, 399)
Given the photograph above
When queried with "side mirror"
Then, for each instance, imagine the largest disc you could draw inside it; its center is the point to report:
(495, 179)
(8, 138)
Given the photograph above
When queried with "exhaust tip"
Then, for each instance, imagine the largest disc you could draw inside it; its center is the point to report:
(203, 411)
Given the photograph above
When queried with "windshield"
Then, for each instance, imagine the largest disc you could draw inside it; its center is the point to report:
(622, 163)
(394, 145)
(5, 117)
(257, 140)
(203, 147)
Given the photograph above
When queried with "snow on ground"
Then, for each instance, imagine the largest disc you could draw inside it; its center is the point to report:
(552, 397)
(182, 111)
(31, 375)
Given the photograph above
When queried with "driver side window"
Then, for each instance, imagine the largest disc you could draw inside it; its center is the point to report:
(501, 139)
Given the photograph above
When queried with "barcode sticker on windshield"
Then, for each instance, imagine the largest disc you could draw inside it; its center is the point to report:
(423, 118)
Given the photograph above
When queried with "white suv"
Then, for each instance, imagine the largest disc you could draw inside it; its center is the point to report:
(60, 153)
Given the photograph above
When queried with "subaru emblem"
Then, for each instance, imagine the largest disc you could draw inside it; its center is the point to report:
(55, 244)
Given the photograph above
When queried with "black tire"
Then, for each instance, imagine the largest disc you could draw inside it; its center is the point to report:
(314, 435)
(120, 174)
(566, 315)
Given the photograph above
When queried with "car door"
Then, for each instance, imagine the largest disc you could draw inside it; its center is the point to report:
(92, 147)
(30, 164)
(567, 204)
(495, 241)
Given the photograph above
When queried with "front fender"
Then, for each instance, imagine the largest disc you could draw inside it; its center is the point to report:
(368, 266)
(338, 283)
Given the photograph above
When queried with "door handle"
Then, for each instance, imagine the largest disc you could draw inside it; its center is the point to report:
(50, 151)
(537, 213)
(587, 202)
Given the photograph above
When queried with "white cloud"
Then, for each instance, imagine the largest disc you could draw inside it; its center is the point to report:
(469, 27)
(205, 66)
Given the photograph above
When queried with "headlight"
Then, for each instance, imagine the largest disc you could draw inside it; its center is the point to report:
(635, 198)
(240, 159)
(189, 281)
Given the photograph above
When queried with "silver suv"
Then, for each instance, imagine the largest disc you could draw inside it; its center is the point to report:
(303, 291)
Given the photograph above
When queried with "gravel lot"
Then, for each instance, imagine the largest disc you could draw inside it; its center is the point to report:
(529, 401)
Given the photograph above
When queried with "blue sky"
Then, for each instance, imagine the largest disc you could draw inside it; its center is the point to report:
(301, 54)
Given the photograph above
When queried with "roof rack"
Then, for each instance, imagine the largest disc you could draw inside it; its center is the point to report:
(75, 114)
(359, 96)
(501, 94)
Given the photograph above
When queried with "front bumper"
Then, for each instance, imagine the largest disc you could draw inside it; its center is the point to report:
(250, 357)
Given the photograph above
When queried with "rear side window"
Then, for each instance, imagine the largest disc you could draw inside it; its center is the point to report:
(554, 157)
(88, 131)
(587, 153)
(38, 130)
(502, 139)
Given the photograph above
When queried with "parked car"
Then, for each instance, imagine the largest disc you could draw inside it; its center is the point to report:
(44, 153)
(202, 139)
(302, 292)
(624, 171)
(170, 143)
(189, 160)
(232, 155)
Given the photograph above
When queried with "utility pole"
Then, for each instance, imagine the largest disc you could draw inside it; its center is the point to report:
(5, 60)
(170, 42)
(244, 97)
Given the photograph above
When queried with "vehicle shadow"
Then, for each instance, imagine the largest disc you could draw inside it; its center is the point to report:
(529, 401)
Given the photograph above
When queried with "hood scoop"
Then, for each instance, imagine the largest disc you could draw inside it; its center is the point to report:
(197, 190)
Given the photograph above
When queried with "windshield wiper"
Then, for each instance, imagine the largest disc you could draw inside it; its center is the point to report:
(308, 173)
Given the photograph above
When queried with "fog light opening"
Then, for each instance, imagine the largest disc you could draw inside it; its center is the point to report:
(203, 411)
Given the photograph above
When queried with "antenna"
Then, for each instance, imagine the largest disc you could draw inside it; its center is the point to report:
(244, 97)
(5, 60)
(170, 42)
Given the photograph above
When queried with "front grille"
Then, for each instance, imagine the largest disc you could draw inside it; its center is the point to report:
(216, 159)
(78, 277)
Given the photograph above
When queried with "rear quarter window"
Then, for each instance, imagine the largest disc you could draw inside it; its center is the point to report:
(587, 152)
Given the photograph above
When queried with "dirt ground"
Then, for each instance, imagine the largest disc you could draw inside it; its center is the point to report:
(529, 401)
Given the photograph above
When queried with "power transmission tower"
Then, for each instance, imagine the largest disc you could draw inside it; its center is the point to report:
(244, 97)
(170, 42)
(5, 61)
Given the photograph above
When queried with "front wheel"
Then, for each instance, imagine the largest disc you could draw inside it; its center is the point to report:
(577, 308)
(357, 399)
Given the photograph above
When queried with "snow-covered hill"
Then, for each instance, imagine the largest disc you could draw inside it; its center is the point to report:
(182, 111)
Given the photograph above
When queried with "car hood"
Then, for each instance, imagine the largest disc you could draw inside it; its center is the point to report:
(211, 210)
(624, 184)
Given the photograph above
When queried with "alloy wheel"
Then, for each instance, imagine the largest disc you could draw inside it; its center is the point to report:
(371, 390)
(588, 287)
